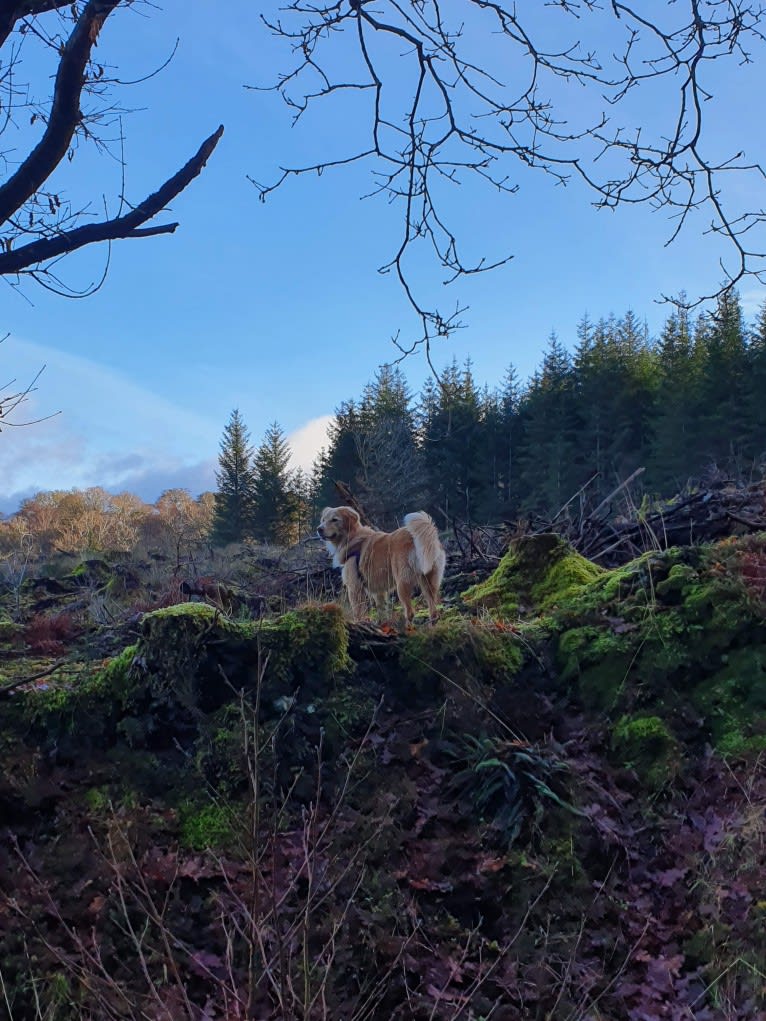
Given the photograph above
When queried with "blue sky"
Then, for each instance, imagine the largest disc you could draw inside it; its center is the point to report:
(278, 308)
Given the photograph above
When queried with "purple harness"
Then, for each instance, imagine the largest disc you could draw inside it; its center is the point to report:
(355, 554)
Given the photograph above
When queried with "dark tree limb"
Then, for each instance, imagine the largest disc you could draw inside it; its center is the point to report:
(65, 113)
(12, 11)
(127, 226)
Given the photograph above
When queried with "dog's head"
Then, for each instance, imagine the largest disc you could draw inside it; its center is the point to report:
(337, 523)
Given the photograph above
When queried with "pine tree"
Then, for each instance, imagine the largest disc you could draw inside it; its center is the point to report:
(302, 503)
(452, 444)
(234, 500)
(721, 343)
(510, 405)
(549, 471)
(390, 474)
(341, 458)
(756, 389)
(275, 505)
(674, 458)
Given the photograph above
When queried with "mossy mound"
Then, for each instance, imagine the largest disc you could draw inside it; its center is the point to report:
(83, 712)
(189, 661)
(645, 743)
(461, 652)
(680, 634)
(538, 572)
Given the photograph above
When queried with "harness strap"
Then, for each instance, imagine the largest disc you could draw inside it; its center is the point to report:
(354, 552)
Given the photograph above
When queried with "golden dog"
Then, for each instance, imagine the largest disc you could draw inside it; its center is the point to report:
(378, 562)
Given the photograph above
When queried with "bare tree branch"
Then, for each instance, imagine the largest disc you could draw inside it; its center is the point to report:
(39, 225)
(65, 110)
(12, 11)
(127, 226)
(479, 90)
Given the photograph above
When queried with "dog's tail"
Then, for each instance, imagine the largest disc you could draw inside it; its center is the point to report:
(429, 552)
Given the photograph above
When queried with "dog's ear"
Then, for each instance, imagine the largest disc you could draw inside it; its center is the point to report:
(350, 516)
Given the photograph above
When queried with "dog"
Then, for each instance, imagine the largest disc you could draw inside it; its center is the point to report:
(376, 562)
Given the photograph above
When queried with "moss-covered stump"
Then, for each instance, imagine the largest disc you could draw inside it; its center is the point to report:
(536, 574)
(189, 661)
(195, 656)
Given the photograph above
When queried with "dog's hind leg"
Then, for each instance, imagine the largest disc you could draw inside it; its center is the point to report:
(429, 586)
(404, 591)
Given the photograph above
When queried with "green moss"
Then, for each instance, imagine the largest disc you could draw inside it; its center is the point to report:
(309, 644)
(9, 630)
(645, 743)
(208, 827)
(654, 634)
(85, 710)
(539, 571)
(98, 800)
(460, 650)
(595, 663)
(733, 701)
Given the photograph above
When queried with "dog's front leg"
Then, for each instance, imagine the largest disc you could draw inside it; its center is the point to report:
(355, 587)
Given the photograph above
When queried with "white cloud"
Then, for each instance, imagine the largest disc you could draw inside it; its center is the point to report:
(308, 440)
(111, 432)
(751, 302)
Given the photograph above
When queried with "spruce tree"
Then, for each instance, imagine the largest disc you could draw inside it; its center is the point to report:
(756, 389)
(452, 443)
(390, 475)
(674, 459)
(340, 462)
(234, 500)
(510, 404)
(275, 509)
(723, 407)
(549, 470)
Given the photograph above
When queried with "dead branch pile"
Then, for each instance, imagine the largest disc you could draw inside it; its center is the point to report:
(718, 509)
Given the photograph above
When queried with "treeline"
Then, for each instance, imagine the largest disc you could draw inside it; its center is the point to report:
(80, 521)
(689, 400)
(692, 399)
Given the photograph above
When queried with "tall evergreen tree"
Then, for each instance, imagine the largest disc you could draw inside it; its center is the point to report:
(673, 456)
(452, 444)
(756, 390)
(549, 471)
(510, 405)
(722, 346)
(234, 499)
(390, 474)
(341, 458)
(275, 503)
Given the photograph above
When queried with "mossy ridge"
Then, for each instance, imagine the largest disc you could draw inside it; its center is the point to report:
(81, 714)
(666, 630)
(538, 572)
(462, 651)
(9, 629)
(307, 644)
(177, 673)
